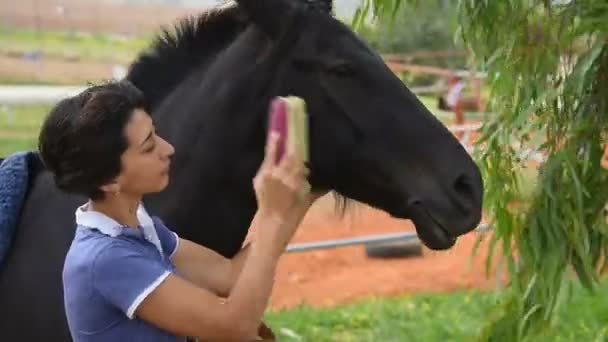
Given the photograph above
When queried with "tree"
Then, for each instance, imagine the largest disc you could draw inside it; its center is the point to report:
(430, 26)
(424, 35)
(547, 66)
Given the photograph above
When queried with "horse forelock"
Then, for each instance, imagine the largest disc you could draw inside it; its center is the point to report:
(182, 48)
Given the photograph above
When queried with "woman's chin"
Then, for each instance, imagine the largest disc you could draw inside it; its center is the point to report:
(163, 183)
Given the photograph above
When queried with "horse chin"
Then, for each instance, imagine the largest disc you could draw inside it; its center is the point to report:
(432, 233)
(434, 236)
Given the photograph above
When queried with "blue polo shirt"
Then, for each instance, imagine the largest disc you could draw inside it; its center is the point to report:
(109, 270)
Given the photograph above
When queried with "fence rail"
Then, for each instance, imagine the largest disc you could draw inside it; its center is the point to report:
(12, 95)
(362, 240)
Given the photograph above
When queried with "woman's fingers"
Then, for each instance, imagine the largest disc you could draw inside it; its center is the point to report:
(292, 167)
(304, 190)
(270, 151)
(287, 163)
(290, 171)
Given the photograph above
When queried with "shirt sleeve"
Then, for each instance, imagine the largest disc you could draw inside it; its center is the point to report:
(125, 277)
(169, 240)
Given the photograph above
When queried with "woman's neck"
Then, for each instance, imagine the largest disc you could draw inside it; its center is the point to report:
(122, 208)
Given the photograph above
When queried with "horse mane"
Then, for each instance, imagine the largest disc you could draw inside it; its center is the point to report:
(172, 56)
(196, 40)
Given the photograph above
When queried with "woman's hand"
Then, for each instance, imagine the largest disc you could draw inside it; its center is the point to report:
(283, 196)
(281, 187)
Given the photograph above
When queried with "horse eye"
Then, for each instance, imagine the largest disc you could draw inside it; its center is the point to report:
(304, 65)
(342, 69)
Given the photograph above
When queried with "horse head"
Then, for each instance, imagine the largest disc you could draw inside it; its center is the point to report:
(371, 139)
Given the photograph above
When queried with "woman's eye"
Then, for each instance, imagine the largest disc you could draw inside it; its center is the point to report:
(150, 149)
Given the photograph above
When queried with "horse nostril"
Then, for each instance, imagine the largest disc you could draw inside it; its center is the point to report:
(467, 196)
(461, 183)
(464, 189)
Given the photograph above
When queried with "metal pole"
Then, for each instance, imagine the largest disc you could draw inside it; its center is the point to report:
(308, 246)
(362, 240)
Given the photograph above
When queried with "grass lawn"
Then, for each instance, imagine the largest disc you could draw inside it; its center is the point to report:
(430, 317)
(19, 127)
(66, 45)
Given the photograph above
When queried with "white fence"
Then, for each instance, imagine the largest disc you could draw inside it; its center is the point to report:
(11, 95)
(43, 94)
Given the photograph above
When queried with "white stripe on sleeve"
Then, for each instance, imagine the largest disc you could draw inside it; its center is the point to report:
(145, 293)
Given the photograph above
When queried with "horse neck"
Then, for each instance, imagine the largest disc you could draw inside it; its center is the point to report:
(219, 146)
(212, 208)
(210, 199)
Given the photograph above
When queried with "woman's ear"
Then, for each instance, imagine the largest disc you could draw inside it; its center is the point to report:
(112, 188)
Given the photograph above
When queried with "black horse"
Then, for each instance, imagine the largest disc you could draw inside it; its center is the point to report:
(208, 87)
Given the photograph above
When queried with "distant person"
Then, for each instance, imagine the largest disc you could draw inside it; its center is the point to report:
(454, 101)
(604, 160)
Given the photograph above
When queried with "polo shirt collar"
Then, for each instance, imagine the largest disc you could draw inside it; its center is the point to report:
(87, 218)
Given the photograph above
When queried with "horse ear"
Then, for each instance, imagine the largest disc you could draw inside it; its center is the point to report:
(272, 16)
(325, 6)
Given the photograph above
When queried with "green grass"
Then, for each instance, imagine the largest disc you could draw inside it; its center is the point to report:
(18, 80)
(430, 317)
(19, 127)
(66, 45)
(23, 119)
(13, 144)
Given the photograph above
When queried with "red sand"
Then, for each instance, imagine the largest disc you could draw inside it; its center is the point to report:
(334, 276)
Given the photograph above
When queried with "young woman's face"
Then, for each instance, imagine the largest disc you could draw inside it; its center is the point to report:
(145, 163)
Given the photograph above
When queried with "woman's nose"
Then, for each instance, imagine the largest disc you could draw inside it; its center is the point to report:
(168, 149)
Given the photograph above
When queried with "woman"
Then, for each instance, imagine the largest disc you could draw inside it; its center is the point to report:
(453, 100)
(126, 275)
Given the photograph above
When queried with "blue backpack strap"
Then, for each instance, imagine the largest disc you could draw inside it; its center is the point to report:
(14, 184)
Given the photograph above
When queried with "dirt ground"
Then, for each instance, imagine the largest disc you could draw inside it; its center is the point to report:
(331, 277)
(334, 276)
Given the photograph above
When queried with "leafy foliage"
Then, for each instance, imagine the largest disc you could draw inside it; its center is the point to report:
(547, 66)
(421, 35)
(429, 26)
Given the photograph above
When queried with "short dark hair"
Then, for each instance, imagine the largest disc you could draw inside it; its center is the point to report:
(82, 138)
